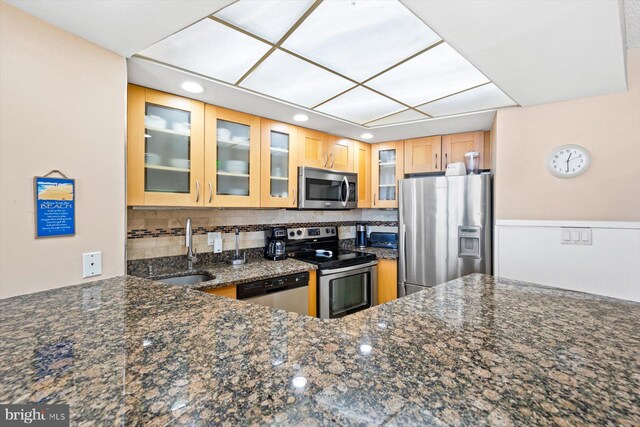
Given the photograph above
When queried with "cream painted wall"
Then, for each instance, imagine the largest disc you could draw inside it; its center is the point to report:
(62, 107)
(608, 126)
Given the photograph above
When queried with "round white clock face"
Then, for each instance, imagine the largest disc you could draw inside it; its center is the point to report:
(568, 161)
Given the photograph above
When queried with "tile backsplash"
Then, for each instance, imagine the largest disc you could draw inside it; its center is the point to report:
(153, 233)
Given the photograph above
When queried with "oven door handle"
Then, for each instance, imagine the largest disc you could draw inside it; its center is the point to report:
(344, 190)
(354, 269)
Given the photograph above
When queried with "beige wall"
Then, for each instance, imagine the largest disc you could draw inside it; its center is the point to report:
(607, 126)
(62, 107)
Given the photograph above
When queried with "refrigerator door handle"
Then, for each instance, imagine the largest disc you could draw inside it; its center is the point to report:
(402, 265)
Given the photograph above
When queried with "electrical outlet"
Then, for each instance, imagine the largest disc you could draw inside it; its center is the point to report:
(91, 298)
(212, 237)
(91, 264)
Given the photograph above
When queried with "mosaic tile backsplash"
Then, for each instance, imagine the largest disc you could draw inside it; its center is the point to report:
(153, 233)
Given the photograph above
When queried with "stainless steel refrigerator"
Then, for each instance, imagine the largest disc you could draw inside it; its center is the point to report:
(444, 231)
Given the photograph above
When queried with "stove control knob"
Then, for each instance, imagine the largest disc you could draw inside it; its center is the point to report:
(299, 232)
(291, 234)
(328, 231)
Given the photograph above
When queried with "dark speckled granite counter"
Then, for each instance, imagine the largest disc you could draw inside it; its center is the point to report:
(474, 351)
(381, 253)
(226, 274)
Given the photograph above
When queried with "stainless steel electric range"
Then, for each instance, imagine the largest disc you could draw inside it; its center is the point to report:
(347, 280)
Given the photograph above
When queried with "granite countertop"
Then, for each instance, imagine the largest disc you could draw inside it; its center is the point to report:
(473, 351)
(225, 274)
(381, 253)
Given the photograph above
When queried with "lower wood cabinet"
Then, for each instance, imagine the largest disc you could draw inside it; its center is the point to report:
(313, 292)
(387, 280)
(227, 291)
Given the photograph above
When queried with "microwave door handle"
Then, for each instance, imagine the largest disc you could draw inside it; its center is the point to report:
(345, 182)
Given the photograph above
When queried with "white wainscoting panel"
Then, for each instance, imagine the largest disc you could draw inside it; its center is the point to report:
(531, 251)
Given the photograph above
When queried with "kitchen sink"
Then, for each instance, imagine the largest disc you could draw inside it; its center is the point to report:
(188, 279)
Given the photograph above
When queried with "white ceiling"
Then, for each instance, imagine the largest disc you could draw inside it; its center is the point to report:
(361, 61)
(121, 26)
(534, 50)
(162, 77)
(632, 14)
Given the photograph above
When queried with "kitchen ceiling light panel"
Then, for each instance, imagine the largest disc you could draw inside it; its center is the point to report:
(209, 48)
(360, 38)
(438, 72)
(401, 117)
(360, 105)
(267, 19)
(481, 98)
(291, 79)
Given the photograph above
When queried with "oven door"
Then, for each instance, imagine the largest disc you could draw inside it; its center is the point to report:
(347, 290)
(324, 189)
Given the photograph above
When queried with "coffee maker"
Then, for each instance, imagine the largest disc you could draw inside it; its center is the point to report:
(275, 248)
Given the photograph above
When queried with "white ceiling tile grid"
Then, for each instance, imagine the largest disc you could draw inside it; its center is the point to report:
(326, 56)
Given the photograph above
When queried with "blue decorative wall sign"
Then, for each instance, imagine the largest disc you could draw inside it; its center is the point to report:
(55, 207)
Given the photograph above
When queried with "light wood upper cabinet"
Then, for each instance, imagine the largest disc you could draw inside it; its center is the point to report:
(423, 155)
(340, 152)
(311, 148)
(455, 145)
(279, 164)
(321, 150)
(165, 142)
(387, 168)
(232, 158)
(362, 166)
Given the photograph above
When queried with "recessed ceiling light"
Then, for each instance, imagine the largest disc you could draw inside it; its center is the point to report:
(366, 136)
(300, 117)
(192, 87)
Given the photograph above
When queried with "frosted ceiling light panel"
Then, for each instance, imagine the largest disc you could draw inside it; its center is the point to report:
(401, 117)
(481, 98)
(438, 72)
(360, 38)
(291, 79)
(211, 49)
(267, 19)
(360, 105)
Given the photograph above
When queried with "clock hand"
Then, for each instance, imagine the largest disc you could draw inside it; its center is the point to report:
(568, 158)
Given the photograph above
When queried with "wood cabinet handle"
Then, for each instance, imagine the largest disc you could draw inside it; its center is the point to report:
(374, 199)
(210, 192)
(435, 164)
(326, 159)
(197, 191)
(294, 197)
(333, 160)
(446, 161)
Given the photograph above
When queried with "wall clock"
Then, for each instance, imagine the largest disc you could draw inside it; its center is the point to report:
(568, 161)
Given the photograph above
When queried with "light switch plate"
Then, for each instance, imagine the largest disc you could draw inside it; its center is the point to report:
(91, 264)
(575, 236)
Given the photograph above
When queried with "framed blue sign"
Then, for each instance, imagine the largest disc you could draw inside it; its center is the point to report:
(55, 207)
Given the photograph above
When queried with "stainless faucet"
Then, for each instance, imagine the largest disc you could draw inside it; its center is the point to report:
(191, 253)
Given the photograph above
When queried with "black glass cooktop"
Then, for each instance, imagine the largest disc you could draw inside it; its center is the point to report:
(338, 258)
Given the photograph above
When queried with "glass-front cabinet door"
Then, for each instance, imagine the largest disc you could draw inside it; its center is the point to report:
(165, 140)
(387, 170)
(279, 164)
(232, 158)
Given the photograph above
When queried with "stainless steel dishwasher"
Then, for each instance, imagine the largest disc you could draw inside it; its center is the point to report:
(290, 293)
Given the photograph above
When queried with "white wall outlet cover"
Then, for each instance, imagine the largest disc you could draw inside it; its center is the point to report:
(91, 264)
(211, 237)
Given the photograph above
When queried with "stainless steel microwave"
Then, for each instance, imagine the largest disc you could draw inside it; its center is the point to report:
(327, 189)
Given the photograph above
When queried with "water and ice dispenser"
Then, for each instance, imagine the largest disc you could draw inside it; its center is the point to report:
(469, 241)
